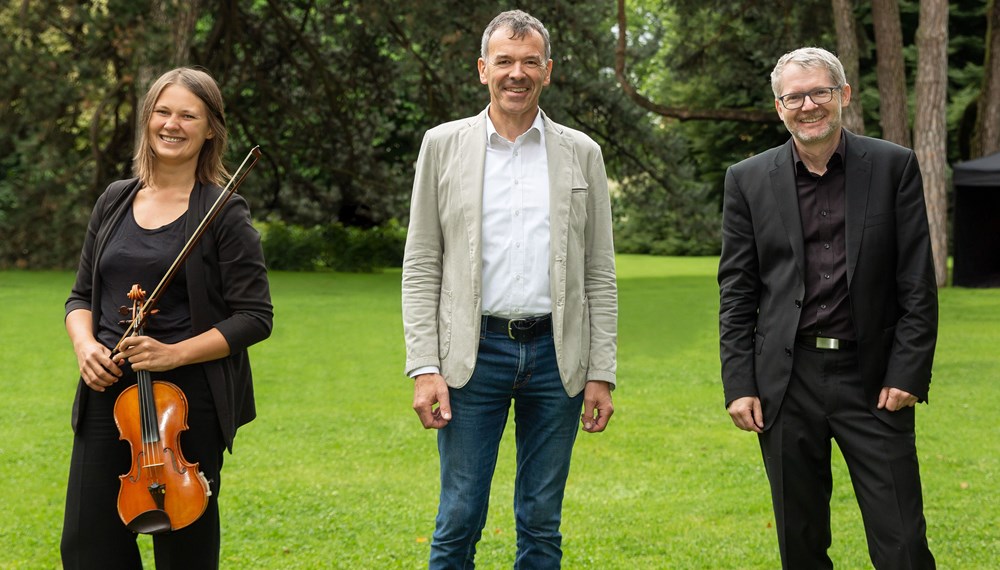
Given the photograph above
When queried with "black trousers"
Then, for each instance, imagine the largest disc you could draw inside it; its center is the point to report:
(826, 400)
(94, 536)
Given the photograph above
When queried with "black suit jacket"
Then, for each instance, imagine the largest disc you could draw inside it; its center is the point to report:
(890, 275)
(227, 289)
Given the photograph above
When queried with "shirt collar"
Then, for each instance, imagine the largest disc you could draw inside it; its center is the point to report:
(836, 159)
(537, 126)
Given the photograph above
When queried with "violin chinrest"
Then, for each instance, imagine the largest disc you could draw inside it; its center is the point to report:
(154, 521)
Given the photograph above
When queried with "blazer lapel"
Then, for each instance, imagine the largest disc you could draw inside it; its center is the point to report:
(559, 155)
(472, 164)
(858, 170)
(787, 198)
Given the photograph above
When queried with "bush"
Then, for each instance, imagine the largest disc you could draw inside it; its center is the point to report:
(333, 246)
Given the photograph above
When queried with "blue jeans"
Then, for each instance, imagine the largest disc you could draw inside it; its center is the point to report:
(546, 422)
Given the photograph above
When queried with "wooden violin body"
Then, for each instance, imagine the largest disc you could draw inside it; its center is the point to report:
(162, 490)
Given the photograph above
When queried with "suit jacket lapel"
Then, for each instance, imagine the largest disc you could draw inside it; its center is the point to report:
(559, 154)
(858, 173)
(472, 164)
(787, 198)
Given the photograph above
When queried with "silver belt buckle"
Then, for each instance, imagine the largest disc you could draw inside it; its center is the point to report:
(828, 343)
(510, 332)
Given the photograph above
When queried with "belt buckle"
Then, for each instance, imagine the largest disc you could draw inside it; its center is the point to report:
(828, 343)
(514, 326)
(510, 330)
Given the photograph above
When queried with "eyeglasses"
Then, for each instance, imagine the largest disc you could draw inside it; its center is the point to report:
(819, 96)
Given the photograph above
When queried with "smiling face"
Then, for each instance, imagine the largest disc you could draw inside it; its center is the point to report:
(812, 124)
(516, 71)
(178, 127)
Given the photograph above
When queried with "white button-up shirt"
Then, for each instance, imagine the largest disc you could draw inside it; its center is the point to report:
(516, 224)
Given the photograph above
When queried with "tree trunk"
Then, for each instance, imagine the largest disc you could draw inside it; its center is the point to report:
(930, 131)
(179, 17)
(891, 72)
(847, 51)
(182, 31)
(987, 133)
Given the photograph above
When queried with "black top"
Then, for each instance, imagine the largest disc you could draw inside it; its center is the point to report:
(826, 307)
(135, 255)
(226, 287)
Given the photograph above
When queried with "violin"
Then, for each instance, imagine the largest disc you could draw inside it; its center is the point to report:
(162, 491)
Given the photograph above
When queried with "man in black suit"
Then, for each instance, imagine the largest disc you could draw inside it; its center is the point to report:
(828, 318)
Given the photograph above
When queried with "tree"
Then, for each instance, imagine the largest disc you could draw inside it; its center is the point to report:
(68, 100)
(338, 94)
(682, 113)
(986, 139)
(930, 128)
(847, 52)
(891, 72)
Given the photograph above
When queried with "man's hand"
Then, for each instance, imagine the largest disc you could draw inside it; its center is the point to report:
(894, 399)
(747, 413)
(597, 406)
(428, 390)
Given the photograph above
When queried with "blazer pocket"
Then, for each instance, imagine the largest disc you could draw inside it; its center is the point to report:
(879, 219)
(445, 320)
(578, 197)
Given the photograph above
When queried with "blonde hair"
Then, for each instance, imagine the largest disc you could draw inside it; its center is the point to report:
(210, 169)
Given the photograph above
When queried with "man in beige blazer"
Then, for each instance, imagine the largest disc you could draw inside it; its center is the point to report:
(509, 295)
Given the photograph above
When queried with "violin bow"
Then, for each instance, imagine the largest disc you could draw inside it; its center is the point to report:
(234, 183)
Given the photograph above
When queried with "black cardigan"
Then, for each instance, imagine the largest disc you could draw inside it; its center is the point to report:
(227, 289)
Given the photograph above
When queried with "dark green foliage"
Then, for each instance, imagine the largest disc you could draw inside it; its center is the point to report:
(357, 249)
(339, 93)
(332, 246)
(289, 247)
(66, 94)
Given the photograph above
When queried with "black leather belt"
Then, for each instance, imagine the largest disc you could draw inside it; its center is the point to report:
(521, 330)
(826, 343)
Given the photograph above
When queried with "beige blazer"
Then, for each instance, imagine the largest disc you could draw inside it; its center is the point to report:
(442, 264)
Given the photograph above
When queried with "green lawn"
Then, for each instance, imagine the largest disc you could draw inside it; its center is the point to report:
(336, 471)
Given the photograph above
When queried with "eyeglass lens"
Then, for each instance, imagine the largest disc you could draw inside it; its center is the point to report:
(819, 96)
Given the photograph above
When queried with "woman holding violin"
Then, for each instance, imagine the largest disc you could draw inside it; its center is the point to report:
(216, 304)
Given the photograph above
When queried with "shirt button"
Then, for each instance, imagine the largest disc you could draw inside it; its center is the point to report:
(517, 245)
(517, 212)
(822, 306)
(823, 213)
(827, 276)
(826, 246)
